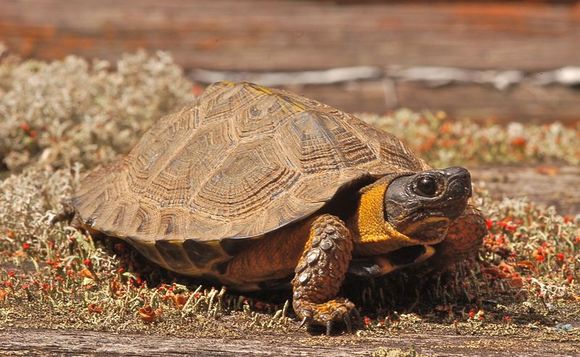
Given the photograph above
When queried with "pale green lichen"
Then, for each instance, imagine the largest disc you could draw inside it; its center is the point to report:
(444, 142)
(71, 111)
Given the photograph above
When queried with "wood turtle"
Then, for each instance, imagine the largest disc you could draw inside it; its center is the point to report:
(251, 186)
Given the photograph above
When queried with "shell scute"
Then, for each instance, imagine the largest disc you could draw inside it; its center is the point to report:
(235, 190)
(241, 161)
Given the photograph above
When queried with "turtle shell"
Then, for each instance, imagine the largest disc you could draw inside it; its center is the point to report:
(241, 161)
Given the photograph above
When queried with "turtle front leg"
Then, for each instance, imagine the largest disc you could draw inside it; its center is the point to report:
(320, 273)
(464, 237)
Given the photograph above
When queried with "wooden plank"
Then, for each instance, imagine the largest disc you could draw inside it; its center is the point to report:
(294, 35)
(76, 342)
(478, 94)
(543, 185)
(524, 102)
(367, 96)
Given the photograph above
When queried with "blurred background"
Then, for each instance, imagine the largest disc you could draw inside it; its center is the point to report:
(488, 61)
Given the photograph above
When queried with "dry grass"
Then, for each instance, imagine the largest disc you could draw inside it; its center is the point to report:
(59, 118)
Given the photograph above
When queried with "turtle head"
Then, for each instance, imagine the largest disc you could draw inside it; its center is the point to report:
(401, 218)
(421, 206)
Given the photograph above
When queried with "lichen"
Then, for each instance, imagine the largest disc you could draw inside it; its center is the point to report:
(71, 111)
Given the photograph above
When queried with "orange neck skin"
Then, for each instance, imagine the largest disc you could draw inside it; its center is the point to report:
(374, 235)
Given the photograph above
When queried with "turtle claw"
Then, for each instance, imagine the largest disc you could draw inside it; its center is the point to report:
(347, 323)
(329, 324)
(357, 315)
(326, 315)
(306, 319)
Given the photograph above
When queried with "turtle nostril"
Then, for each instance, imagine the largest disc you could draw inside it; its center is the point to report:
(468, 189)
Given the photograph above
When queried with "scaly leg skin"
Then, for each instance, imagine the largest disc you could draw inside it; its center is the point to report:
(320, 273)
(464, 237)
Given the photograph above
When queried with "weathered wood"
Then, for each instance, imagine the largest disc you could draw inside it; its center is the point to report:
(75, 342)
(524, 102)
(481, 95)
(259, 35)
(544, 185)
(295, 35)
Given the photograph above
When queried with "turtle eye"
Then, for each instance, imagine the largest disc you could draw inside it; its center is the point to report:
(427, 186)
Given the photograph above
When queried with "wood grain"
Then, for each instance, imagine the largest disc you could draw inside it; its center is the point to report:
(272, 36)
(545, 185)
(523, 103)
(294, 35)
(17, 341)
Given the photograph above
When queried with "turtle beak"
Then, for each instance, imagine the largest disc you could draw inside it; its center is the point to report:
(458, 190)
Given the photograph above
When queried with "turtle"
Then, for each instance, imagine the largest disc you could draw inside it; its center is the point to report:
(252, 187)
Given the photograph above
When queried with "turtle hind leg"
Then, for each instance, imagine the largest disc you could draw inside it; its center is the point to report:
(320, 273)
